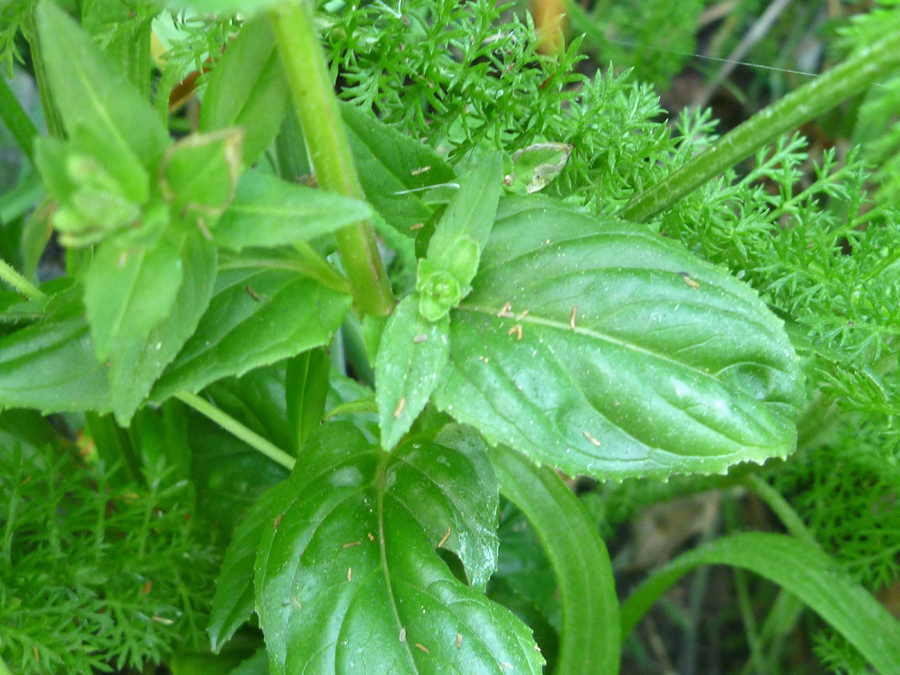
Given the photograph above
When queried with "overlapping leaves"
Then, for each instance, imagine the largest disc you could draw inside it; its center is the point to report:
(347, 578)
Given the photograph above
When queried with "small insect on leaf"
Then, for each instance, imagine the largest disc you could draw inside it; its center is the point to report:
(517, 329)
(146, 588)
(458, 640)
(504, 311)
(402, 635)
(349, 574)
(277, 521)
(444, 538)
(352, 544)
(423, 648)
(593, 440)
(693, 283)
(400, 406)
(572, 317)
(253, 294)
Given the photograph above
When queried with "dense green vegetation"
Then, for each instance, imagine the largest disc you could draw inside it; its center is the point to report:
(358, 338)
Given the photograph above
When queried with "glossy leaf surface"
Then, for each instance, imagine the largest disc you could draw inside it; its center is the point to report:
(272, 212)
(411, 356)
(349, 581)
(389, 163)
(800, 568)
(258, 315)
(634, 357)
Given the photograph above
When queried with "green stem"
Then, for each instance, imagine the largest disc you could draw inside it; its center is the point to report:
(132, 51)
(51, 114)
(20, 283)
(779, 505)
(231, 425)
(16, 120)
(317, 107)
(810, 100)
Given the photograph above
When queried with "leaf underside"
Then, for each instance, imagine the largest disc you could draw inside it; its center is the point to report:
(634, 358)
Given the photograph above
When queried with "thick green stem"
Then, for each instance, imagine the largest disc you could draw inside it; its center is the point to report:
(823, 93)
(317, 107)
(51, 114)
(16, 120)
(20, 283)
(231, 425)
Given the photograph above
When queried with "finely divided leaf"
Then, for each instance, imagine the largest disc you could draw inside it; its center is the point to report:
(602, 348)
(389, 163)
(271, 212)
(411, 357)
(92, 93)
(247, 90)
(347, 578)
(258, 315)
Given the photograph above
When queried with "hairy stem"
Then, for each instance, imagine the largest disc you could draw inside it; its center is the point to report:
(16, 120)
(317, 108)
(823, 93)
(20, 283)
(231, 425)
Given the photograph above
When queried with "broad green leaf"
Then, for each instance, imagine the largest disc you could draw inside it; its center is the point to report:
(306, 390)
(590, 632)
(247, 89)
(51, 366)
(199, 173)
(411, 357)
(143, 311)
(391, 163)
(468, 218)
(799, 568)
(233, 602)
(602, 348)
(129, 292)
(349, 581)
(90, 92)
(271, 212)
(257, 316)
(536, 166)
(160, 438)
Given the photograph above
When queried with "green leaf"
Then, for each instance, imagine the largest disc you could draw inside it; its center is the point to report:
(469, 216)
(258, 664)
(199, 173)
(634, 358)
(51, 366)
(590, 632)
(349, 581)
(271, 212)
(247, 90)
(389, 163)
(306, 390)
(233, 602)
(411, 356)
(129, 292)
(536, 166)
(800, 568)
(90, 92)
(257, 316)
(139, 323)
